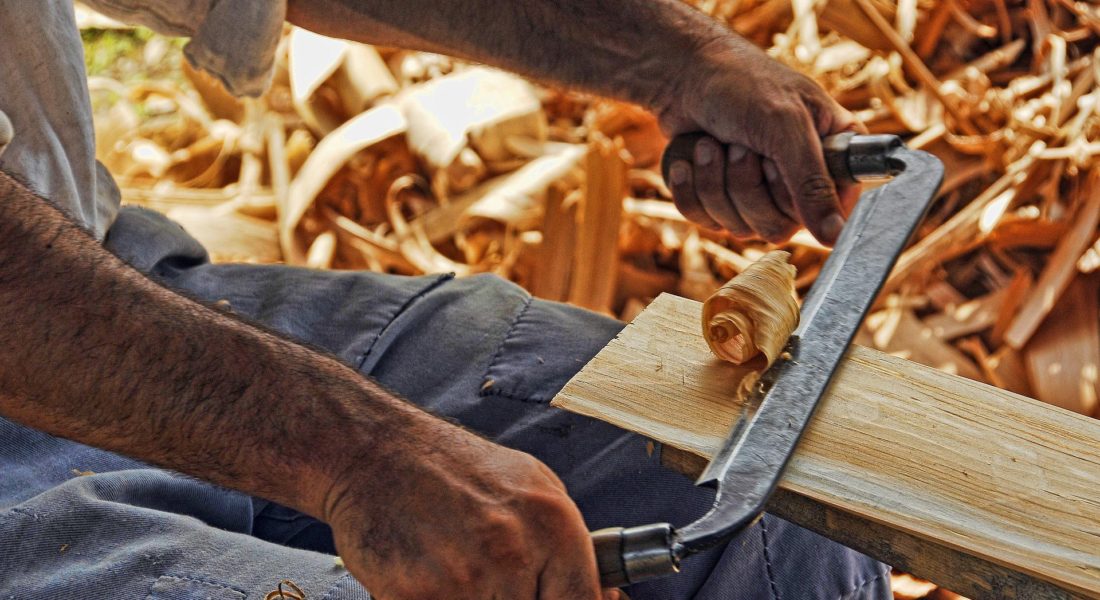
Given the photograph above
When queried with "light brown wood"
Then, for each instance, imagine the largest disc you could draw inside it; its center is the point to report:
(322, 251)
(1061, 267)
(476, 110)
(845, 17)
(1063, 358)
(597, 250)
(364, 131)
(754, 313)
(1004, 368)
(969, 317)
(899, 332)
(515, 198)
(229, 236)
(957, 235)
(559, 234)
(697, 280)
(986, 492)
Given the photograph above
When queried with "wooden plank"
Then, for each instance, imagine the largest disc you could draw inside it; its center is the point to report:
(597, 250)
(986, 492)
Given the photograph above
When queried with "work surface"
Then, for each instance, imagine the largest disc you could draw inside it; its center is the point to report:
(981, 490)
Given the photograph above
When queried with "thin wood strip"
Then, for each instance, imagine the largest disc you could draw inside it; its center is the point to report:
(559, 236)
(915, 64)
(967, 318)
(957, 234)
(597, 251)
(1063, 358)
(1061, 267)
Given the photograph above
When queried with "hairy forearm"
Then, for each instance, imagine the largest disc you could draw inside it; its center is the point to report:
(92, 350)
(631, 49)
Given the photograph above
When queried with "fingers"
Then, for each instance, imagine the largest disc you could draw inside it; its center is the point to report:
(682, 185)
(711, 186)
(748, 195)
(726, 188)
(571, 571)
(748, 186)
(802, 167)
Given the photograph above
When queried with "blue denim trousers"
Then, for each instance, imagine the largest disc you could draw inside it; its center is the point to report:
(79, 522)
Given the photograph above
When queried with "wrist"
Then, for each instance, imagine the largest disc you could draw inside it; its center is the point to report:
(371, 452)
(714, 52)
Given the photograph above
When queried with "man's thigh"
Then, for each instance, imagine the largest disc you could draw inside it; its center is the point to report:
(482, 352)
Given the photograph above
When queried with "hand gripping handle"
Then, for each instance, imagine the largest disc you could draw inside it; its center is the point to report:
(849, 157)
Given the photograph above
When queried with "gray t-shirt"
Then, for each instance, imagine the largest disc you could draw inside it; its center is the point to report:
(53, 149)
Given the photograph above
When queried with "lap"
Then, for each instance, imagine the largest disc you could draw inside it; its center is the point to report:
(482, 352)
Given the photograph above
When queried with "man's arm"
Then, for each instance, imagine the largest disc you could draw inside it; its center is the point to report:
(92, 350)
(760, 172)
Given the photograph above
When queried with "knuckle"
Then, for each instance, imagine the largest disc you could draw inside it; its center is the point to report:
(506, 540)
(779, 111)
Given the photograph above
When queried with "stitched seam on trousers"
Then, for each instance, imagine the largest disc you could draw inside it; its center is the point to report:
(862, 586)
(500, 351)
(197, 580)
(332, 590)
(767, 560)
(362, 360)
(493, 393)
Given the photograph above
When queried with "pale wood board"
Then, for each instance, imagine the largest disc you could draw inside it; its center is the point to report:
(946, 468)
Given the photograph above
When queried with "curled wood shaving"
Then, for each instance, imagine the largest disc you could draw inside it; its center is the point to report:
(754, 313)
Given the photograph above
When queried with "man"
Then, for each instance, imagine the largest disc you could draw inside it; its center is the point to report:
(94, 352)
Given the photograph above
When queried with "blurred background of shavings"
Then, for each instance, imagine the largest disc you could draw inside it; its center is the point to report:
(362, 157)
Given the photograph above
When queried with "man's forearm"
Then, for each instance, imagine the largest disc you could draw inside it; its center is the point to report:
(92, 350)
(622, 48)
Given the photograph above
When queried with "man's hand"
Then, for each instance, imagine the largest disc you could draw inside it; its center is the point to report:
(461, 518)
(760, 172)
(421, 509)
(697, 74)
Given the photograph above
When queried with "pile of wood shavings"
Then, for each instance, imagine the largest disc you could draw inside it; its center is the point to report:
(372, 158)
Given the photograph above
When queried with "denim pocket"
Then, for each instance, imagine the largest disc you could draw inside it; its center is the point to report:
(169, 587)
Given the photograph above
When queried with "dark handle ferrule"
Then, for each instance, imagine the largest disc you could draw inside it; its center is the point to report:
(627, 556)
(849, 157)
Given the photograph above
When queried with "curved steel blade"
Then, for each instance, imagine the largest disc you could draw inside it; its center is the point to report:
(748, 467)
